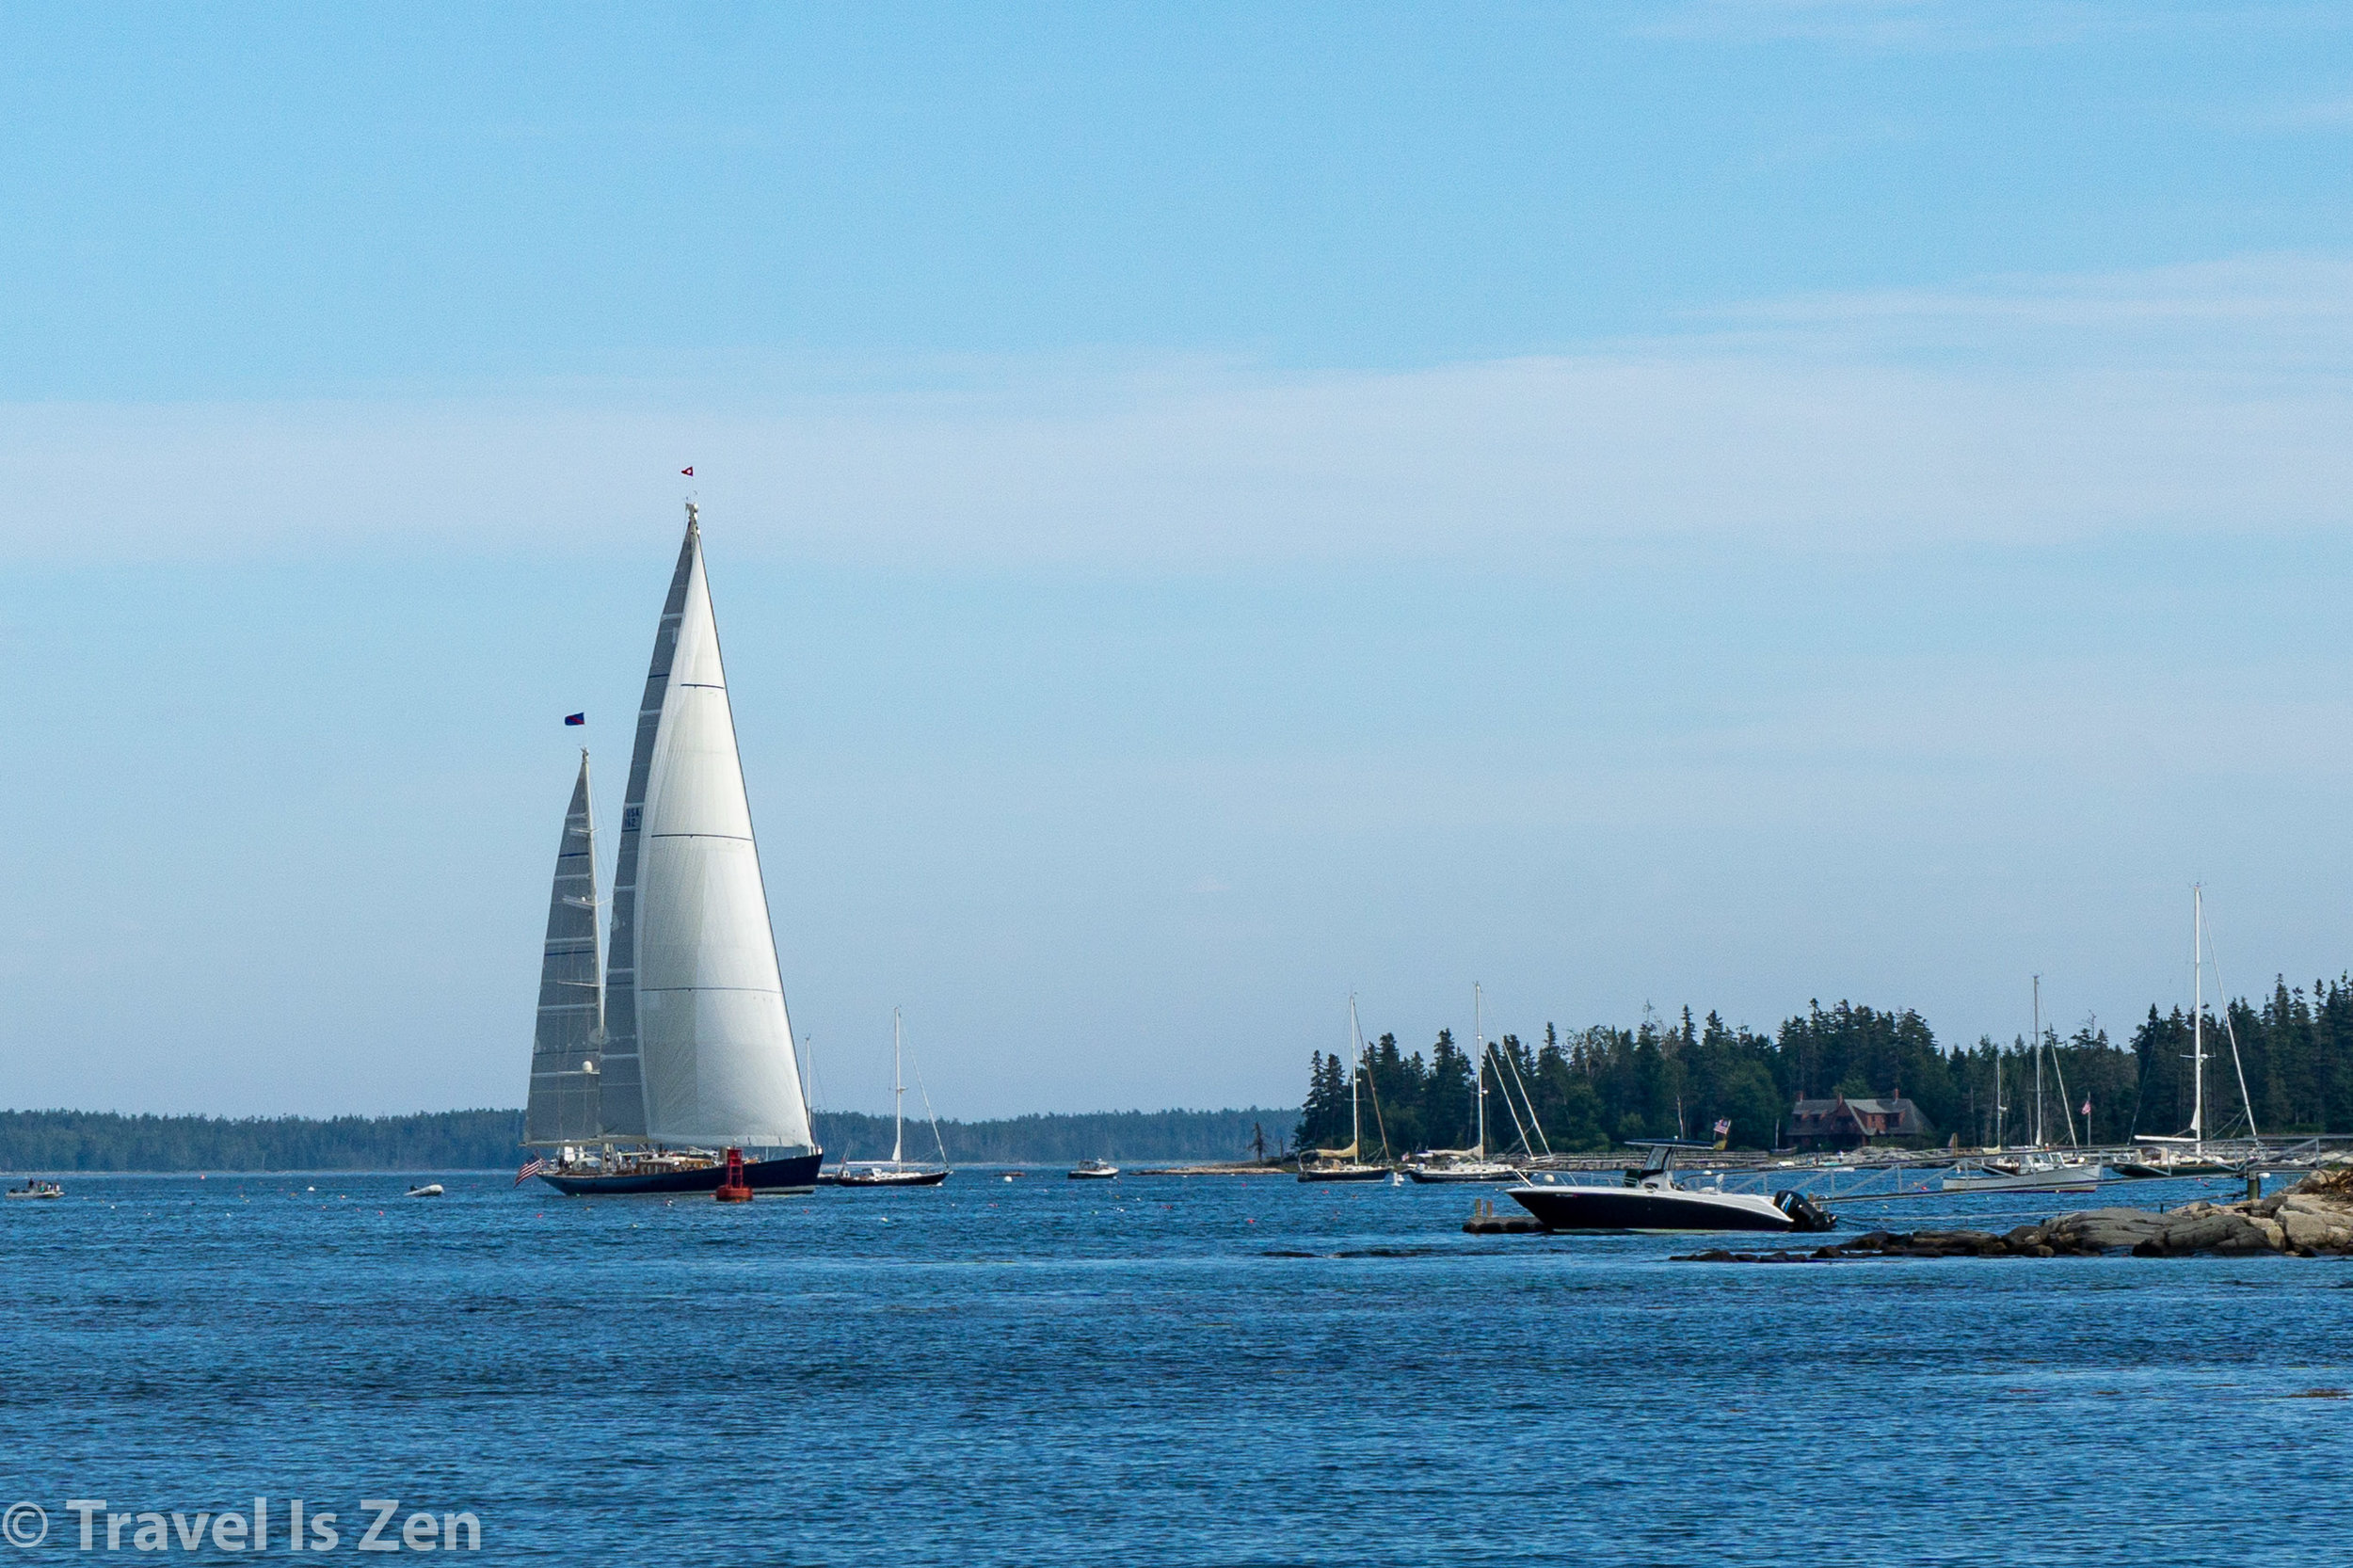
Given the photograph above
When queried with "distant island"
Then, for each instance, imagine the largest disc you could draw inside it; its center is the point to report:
(491, 1140)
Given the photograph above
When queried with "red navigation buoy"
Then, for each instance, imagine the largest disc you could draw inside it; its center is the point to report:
(734, 1189)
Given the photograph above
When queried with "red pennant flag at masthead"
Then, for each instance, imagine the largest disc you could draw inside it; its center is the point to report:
(688, 471)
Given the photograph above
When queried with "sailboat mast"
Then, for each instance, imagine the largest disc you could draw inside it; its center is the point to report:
(2197, 1018)
(1478, 1032)
(2038, 1062)
(1355, 1090)
(1998, 1106)
(897, 1095)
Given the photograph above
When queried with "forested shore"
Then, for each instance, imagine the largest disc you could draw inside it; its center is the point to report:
(107, 1141)
(1594, 1088)
(491, 1140)
(1065, 1137)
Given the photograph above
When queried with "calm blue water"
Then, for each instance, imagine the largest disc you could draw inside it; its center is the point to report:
(1041, 1371)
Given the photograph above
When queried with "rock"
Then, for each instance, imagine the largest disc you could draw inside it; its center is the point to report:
(2099, 1229)
(2216, 1230)
(2026, 1238)
(2266, 1230)
(2336, 1183)
(2316, 1226)
(1955, 1240)
(2194, 1232)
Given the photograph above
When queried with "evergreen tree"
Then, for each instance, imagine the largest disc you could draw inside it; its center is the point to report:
(1446, 1111)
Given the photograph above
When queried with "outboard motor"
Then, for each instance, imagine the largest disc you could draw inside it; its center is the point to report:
(1804, 1213)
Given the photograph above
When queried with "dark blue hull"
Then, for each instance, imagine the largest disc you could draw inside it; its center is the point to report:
(1635, 1209)
(793, 1174)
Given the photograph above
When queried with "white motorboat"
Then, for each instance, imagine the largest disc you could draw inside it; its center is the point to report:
(35, 1188)
(1093, 1170)
(1650, 1199)
(430, 1190)
(1463, 1169)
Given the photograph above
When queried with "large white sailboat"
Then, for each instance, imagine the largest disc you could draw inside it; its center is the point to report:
(646, 1068)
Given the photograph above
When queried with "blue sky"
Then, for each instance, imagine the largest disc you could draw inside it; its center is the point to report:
(1210, 507)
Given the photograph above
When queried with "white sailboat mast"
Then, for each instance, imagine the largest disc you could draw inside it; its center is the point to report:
(1478, 1032)
(898, 1094)
(1355, 1090)
(1999, 1109)
(2196, 1016)
(2038, 1062)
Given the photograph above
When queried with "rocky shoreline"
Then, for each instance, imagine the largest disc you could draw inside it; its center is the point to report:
(2312, 1219)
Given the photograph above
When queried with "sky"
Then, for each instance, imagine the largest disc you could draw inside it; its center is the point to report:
(1210, 509)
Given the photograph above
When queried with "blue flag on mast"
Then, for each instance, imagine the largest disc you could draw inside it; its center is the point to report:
(575, 718)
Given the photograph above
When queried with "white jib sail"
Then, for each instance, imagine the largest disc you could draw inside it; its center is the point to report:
(563, 1104)
(714, 1046)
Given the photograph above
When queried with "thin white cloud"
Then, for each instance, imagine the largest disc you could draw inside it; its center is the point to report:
(2210, 399)
(1944, 26)
(1919, 25)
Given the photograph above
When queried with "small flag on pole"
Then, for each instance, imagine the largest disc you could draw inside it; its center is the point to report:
(575, 718)
(530, 1169)
(688, 471)
(2087, 1105)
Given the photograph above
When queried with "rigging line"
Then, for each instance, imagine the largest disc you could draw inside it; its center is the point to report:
(2066, 1109)
(928, 1116)
(1364, 1065)
(1533, 1120)
(2246, 1103)
(1526, 1146)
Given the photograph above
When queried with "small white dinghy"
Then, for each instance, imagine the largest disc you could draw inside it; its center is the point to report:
(430, 1190)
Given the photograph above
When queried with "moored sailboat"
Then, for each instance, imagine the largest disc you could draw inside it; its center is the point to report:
(2187, 1154)
(646, 1068)
(1471, 1165)
(898, 1173)
(1346, 1164)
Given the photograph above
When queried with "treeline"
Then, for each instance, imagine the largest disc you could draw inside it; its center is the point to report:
(1118, 1135)
(1591, 1089)
(491, 1140)
(103, 1141)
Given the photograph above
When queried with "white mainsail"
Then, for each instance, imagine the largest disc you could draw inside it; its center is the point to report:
(564, 1073)
(698, 1049)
